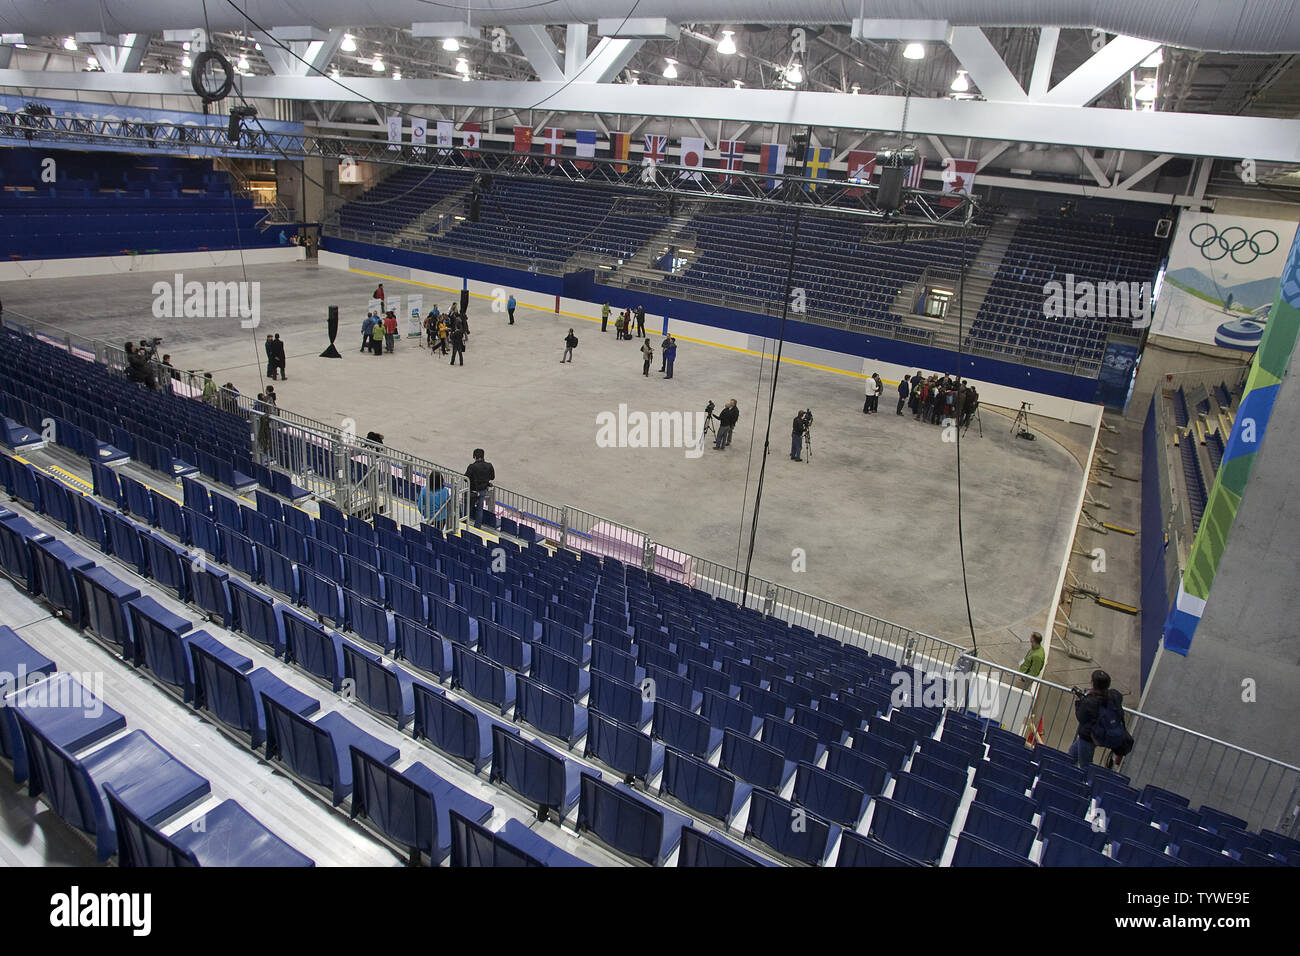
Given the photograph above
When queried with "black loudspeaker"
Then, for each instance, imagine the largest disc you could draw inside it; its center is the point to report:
(332, 325)
(475, 207)
(890, 195)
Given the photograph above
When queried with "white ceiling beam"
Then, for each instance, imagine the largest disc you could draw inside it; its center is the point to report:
(984, 64)
(1097, 73)
(1180, 134)
(287, 57)
(992, 153)
(638, 28)
(608, 59)
(124, 54)
(444, 29)
(536, 45)
(869, 29)
(1150, 167)
(699, 131)
(940, 148)
(1041, 79)
(302, 34)
(1097, 172)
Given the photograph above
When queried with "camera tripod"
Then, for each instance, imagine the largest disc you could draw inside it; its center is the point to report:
(709, 419)
(1020, 427)
(974, 417)
(807, 443)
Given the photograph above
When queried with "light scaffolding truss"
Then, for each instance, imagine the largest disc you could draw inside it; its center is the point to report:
(919, 208)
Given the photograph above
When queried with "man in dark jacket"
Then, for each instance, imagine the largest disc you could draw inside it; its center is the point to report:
(796, 436)
(727, 419)
(269, 346)
(278, 351)
(1087, 707)
(640, 321)
(902, 395)
(481, 474)
(570, 343)
(457, 345)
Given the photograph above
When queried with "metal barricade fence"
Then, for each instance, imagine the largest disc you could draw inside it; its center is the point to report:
(546, 520)
(591, 534)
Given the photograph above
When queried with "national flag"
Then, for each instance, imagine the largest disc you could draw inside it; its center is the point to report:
(771, 159)
(912, 175)
(958, 178)
(395, 128)
(862, 164)
(817, 163)
(444, 135)
(523, 139)
(732, 154)
(619, 144)
(656, 147)
(586, 140)
(553, 141)
(419, 131)
(692, 156)
(471, 134)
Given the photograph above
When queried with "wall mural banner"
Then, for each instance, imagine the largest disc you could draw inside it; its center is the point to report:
(1221, 279)
(1248, 429)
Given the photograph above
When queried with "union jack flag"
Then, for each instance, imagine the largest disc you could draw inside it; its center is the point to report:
(656, 147)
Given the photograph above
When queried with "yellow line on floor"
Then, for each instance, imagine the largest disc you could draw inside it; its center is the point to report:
(589, 318)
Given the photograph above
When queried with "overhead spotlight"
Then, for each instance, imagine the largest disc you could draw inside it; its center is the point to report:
(242, 63)
(349, 44)
(186, 61)
(1154, 60)
(1146, 92)
(69, 44)
(465, 77)
(186, 46)
(378, 65)
(855, 89)
(257, 47)
(739, 82)
(914, 51)
(794, 73)
(727, 46)
(397, 74)
(335, 73)
(961, 84)
(451, 44)
(92, 63)
(670, 71)
(462, 65)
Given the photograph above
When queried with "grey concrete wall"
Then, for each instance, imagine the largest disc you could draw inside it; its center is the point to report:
(1249, 629)
(1164, 355)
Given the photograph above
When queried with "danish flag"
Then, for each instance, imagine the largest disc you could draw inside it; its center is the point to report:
(553, 140)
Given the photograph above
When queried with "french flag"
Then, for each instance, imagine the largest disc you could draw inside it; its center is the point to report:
(586, 140)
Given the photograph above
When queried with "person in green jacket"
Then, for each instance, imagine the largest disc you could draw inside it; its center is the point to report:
(1034, 657)
(604, 317)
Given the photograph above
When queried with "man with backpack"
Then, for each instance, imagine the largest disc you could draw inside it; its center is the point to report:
(1100, 713)
(570, 343)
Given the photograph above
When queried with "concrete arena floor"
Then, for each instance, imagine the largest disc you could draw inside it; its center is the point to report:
(874, 510)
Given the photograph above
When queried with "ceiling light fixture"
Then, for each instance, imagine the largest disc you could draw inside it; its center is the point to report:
(727, 46)
(92, 63)
(1146, 93)
(451, 44)
(243, 63)
(961, 84)
(349, 44)
(186, 61)
(670, 71)
(914, 51)
(69, 44)
(739, 82)
(794, 73)
(462, 65)
(378, 65)
(397, 74)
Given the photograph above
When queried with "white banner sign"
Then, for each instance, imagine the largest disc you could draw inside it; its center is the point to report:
(415, 305)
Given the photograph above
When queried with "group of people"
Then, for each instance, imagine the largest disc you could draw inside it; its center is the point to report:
(938, 397)
(274, 357)
(378, 332)
(668, 352)
(450, 329)
(626, 321)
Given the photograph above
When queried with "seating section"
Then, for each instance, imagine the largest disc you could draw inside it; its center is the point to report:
(104, 204)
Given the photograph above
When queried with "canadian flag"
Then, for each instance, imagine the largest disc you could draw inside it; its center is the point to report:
(553, 140)
(958, 178)
(470, 135)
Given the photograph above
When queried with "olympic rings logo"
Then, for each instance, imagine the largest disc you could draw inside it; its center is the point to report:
(1233, 241)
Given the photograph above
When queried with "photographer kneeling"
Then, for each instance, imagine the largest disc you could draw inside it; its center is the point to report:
(727, 419)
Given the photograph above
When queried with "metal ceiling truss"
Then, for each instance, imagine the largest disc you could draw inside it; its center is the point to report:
(920, 207)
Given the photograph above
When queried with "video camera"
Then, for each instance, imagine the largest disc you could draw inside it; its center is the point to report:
(708, 411)
(807, 419)
(149, 347)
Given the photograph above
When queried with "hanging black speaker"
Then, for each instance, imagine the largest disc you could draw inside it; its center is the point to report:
(332, 326)
(890, 195)
(475, 207)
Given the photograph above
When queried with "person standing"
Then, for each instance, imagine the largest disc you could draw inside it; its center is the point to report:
(442, 333)
(570, 343)
(1032, 665)
(457, 345)
(209, 395)
(640, 321)
(670, 354)
(377, 337)
(870, 394)
(379, 294)
(510, 308)
(390, 331)
(727, 419)
(663, 352)
(1100, 714)
(902, 396)
(279, 356)
(647, 353)
(464, 303)
(366, 326)
(604, 317)
(481, 474)
(796, 436)
(269, 347)
(619, 324)
(880, 387)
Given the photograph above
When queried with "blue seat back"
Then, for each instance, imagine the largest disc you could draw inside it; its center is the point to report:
(757, 763)
(625, 823)
(624, 748)
(829, 796)
(788, 829)
(548, 710)
(531, 770)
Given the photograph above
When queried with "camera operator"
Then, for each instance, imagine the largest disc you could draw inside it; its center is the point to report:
(1100, 713)
(727, 419)
(802, 422)
(137, 365)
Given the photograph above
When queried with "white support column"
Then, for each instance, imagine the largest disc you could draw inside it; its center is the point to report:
(542, 55)
(608, 59)
(124, 56)
(302, 57)
(992, 153)
(1041, 79)
(1096, 74)
(1098, 173)
(699, 131)
(575, 48)
(984, 64)
(937, 143)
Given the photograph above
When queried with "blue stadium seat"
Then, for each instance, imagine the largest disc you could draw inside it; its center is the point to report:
(713, 849)
(318, 752)
(623, 748)
(622, 701)
(914, 836)
(481, 678)
(550, 711)
(226, 688)
(1060, 851)
(627, 823)
(535, 772)
(313, 648)
(972, 851)
(829, 796)
(754, 762)
(858, 850)
(1005, 832)
(926, 798)
(256, 617)
(453, 728)
(789, 829)
(380, 685)
(513, 845)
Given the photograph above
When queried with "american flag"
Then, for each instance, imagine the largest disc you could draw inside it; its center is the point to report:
(656, 147)
(732, 154)
(912, 174)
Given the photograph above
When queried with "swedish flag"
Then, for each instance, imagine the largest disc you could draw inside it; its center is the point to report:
(817, 164)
